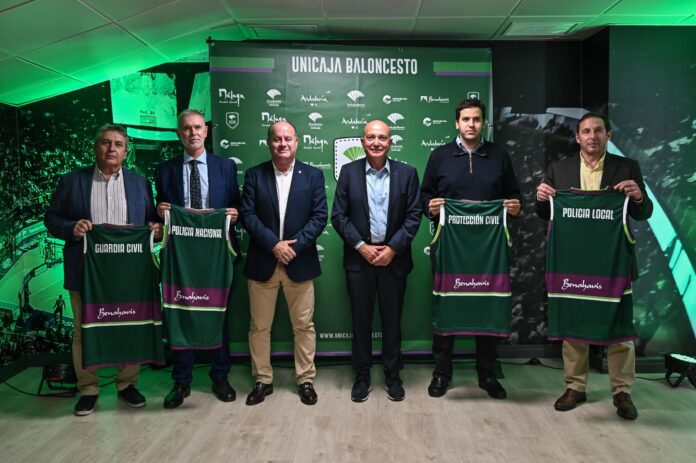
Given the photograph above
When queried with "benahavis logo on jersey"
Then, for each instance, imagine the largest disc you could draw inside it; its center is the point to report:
(232, 120)
(394, 118)
(273, 100)
(310, 142)
(346, 150)
(268, 119)
(229, 97)
(354, 95)
(314, 118)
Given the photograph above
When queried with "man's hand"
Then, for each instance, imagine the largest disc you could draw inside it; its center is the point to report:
(81, 227)
(544, 192)
(283, 251)
(385, 256)
(369, 252)
(161, 207)
(434, 206)
(631, 189)
(513, 206)
(232, 212)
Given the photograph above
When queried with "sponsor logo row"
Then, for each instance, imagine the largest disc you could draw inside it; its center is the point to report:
(353, 99)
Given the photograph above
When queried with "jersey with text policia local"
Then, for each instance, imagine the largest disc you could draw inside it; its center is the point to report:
(588, 268)
(121, 315)
(197, 271)
(471, 286)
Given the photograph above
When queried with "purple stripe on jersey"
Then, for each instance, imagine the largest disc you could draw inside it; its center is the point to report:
(122, 312)
(587, 285)
(472, 283)
(195, 297)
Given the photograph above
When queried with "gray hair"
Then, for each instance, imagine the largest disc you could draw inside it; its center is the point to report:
(110, 128)
(188, 112)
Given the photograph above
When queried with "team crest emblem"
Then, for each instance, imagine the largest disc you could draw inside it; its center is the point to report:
(232, 120)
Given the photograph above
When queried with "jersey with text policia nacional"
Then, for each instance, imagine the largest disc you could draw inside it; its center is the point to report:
(471, 286)
(121, 315)
(197, 268)
(588, 267)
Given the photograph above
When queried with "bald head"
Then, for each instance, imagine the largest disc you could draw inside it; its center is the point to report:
(376, 143)
(282, 142)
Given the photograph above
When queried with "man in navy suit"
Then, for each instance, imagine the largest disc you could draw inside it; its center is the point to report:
(103, 193)
(199, 180)
(376, 211)
(284, 211)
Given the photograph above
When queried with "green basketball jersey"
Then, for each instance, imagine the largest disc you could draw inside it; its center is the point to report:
(121, 315)
(471, 285)
(197, 271)
(588, 268)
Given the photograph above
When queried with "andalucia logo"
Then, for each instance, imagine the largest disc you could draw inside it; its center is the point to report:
(346, 150)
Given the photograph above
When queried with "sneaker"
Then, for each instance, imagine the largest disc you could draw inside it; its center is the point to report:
(131, 397)
(85, 405)
(395, 390)
(360, 391)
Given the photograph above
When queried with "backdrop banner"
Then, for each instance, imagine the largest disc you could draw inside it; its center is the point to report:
(329, 93)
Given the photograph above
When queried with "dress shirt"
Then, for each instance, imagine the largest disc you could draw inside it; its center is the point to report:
(202, 173)
(108, 198)
(378, 200)
(591, 177)
(283, 182)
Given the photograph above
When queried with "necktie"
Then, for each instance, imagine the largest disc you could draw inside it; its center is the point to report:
(195, 186)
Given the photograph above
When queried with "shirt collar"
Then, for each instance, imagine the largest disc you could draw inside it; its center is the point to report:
(203, 158)
(600, 164)
(466, 150)
(287, 172)
(369, 168)
(99, 175)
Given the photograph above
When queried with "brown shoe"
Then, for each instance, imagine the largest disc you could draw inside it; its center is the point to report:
(569, 400)
(624, 406)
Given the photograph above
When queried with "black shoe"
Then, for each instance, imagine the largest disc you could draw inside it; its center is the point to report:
(224, 391)
(569, 400)
(177, 395)
(131, 397)
(395, 390)
(438, 386)
(85, 405)
(259, 393)
(624, 406)
(360, 391)
(308, 395)
(493, 388)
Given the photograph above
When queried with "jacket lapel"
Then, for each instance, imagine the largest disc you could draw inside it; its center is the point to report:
(362, 181)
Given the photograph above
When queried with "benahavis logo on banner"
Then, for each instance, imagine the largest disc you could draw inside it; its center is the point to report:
(434, 99)
(232, 120)
(346, 150)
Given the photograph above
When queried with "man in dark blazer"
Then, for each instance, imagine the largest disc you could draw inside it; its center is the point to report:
(376, 211)
(595, 169)
(200, 180)
(104, 192)
(284, 211)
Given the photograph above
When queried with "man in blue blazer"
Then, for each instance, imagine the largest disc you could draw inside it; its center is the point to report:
(284, 211)
(199, 180)
(376, 211)
(103, 193)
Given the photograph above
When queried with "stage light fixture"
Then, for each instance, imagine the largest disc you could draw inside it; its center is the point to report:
(683, 365)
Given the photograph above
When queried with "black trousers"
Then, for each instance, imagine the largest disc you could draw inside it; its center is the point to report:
(220, 361)
(486, 356)
(388, 288)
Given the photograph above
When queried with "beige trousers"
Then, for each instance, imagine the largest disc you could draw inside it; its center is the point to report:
(621, 359)
(88, 381)
(262, 302)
